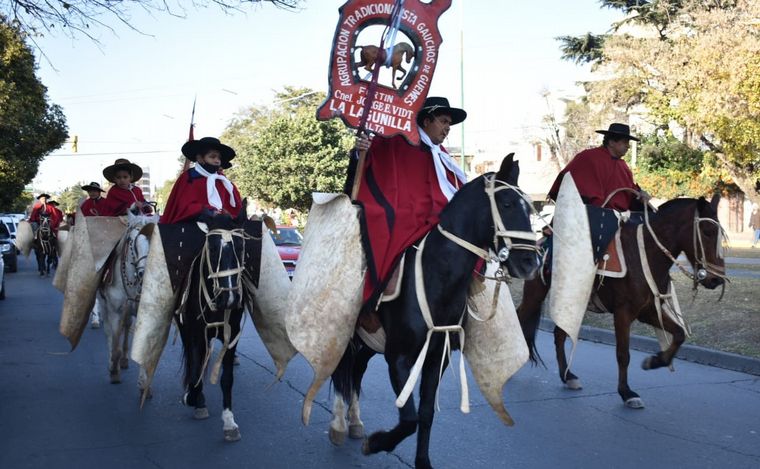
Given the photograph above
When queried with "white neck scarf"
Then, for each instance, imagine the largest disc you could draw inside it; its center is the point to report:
(442, 162)
(214, 199)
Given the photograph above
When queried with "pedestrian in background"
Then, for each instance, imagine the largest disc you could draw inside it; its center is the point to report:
(754, 223)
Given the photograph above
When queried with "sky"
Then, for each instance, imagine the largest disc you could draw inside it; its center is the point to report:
(130, 95)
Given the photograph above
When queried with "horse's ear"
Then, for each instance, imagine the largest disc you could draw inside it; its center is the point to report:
(509, 170)
(242, 215)
(715, 201)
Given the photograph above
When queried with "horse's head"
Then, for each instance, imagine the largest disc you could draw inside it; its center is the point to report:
(514, 240)
(222, 261)
(706, 253)
(137, 242)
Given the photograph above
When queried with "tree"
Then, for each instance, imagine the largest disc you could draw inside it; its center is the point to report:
(162, 194)
(701, 73)
(71, 198)
(667, 168)
(74, 17)
(30, 127)
(284, 154)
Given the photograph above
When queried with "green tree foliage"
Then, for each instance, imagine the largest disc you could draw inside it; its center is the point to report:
(30, 127)
(284, 154)
(71, 198)
(668, 168)
(22, 203)
(703, 76)
(162, 194)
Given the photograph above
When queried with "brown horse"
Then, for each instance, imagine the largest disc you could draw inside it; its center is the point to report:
(681, 225)
(369, 55)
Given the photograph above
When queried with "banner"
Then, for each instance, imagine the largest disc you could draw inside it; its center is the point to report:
(392, 81)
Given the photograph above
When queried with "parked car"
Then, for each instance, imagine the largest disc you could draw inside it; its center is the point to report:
(288, 241)
(8, 249)
(2, 279)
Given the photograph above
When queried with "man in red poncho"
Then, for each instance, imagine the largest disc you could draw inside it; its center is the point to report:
(56, 216)
(403, 190)
(124, 193)
(598, 172)
(203, 190)
(40, 207)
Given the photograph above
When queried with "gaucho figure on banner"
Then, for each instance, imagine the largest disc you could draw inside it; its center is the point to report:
(403, 64)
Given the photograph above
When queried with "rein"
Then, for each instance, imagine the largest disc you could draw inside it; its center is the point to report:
(206, 301)
(500, 231)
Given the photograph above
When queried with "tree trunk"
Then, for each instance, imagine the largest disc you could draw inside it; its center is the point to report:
(745, 181)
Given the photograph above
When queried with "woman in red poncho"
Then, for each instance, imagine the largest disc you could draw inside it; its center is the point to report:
(203, 190)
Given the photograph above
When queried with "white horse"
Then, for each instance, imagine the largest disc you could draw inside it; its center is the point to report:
(118, 300)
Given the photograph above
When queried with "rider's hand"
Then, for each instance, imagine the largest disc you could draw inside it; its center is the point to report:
(362, 142)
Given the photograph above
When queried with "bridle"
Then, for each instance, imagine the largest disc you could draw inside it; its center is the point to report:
(132, 256)
(492, 186)
(213, 265)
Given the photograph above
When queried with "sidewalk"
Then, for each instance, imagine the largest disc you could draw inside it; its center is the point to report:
(691, 353)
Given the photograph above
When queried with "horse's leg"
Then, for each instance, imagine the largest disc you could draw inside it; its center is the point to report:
(665, 358)
(428, 388)
(231, 430)
(623, 320)
(126, 323)
(571, 381)
(403, 74)
(112, 325)
(529, 313)
(355, 424)
(399, 368)
(194, 361)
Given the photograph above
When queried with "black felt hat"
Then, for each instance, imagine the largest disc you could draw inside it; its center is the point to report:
(93, 186)
(193, 148)
(47, 196)
(122, 164)
(618, 130)
(438, 105)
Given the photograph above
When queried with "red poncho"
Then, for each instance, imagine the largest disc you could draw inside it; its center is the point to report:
(55, 215)
(119, 200)
(188, 198)
(402, 201)
(93, 207)
(596, 175)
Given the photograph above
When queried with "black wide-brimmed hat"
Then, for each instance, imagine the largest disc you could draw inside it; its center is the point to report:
(618, 130)
(438, 105)
(47, 196)
(53, 203)
(193, 148)
(93, 186)
(122, 164)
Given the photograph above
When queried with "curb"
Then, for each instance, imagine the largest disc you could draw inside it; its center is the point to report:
(691, 353)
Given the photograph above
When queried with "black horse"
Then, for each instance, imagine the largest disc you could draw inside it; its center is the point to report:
(688, 226)
(212, 307)
(45, 246)
(488, 212)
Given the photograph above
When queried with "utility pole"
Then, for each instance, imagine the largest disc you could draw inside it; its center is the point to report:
(461, 73)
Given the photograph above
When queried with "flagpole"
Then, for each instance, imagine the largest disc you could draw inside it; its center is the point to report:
(190, 137)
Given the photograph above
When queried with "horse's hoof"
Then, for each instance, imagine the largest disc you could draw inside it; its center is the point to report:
(337, 437)
(634, 403)
(574, 384)
(95, 325)
(124, 363)
(200, 413)
(356, 431)
(115, 378)
(231, 434)
(236, 361)
(365, 447)
(147, 392)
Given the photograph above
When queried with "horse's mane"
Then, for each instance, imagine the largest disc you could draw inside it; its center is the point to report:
(673, 205)
(464, 191)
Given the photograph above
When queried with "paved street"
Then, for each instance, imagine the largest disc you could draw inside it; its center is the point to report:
(58, 410)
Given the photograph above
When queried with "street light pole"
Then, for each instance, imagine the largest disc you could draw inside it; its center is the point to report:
(461, 74)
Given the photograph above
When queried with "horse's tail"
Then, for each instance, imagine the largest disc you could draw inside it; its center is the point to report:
(529, 314)
(343, 376)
